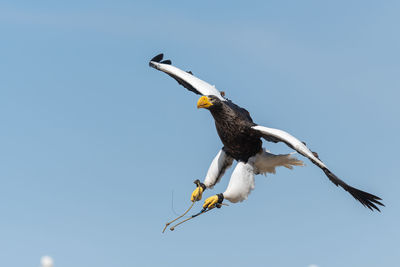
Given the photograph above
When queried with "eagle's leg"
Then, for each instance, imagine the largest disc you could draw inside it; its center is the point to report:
(213, 201)
(219, 165)
(198, 192)
(241, 182)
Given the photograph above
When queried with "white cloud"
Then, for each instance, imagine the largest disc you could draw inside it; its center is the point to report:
(312, 265)
(46, 261)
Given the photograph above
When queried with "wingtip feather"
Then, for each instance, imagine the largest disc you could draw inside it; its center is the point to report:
(158, 58)
(366, 199)
(166, 62)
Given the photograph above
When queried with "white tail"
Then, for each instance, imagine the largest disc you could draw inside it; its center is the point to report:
(265, 162)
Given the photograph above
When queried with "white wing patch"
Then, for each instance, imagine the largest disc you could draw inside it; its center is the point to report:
(292, 141)
(203, 87)
(265, 162)
(241, 183)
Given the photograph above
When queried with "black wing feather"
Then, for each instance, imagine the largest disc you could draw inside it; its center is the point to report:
(158, 58)
(367, 199)
(166, 62)
(185, 84)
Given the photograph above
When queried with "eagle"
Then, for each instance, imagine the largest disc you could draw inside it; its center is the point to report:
(242, 141)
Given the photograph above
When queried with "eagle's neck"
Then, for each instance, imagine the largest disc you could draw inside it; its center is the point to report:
(235, 133)
(222, 114)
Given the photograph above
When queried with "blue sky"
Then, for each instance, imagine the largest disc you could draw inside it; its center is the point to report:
(94, 142)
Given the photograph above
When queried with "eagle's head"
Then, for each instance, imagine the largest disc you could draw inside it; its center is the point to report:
(209, 102)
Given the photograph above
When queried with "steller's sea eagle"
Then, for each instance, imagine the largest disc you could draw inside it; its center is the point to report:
(241, 138)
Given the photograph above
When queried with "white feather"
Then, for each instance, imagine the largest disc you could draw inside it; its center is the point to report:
(293, 141)
(265, 162)
(218, 166)
(241, 183)
(203, 87)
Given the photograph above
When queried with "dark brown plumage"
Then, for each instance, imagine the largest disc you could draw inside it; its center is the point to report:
(233, 125)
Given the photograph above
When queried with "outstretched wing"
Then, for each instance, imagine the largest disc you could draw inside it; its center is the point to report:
(184, 78)
(275, 135)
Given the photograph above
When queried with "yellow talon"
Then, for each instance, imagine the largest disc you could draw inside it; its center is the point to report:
(210, 202)
(197, 194)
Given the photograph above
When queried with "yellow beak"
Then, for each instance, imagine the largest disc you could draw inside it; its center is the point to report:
(204, 102)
